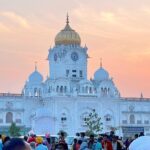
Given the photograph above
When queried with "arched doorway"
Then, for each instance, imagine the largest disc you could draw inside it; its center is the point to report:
(43, 122)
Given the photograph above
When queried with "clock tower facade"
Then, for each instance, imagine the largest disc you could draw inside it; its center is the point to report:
(67, 59)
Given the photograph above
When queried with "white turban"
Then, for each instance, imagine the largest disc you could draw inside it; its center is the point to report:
(141, 143)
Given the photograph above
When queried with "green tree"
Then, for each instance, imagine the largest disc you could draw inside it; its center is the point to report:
(93, 123)
(14, 131)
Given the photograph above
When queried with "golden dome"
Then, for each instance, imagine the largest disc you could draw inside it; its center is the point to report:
(67, 36)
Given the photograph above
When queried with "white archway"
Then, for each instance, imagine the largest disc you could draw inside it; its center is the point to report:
(43, 122)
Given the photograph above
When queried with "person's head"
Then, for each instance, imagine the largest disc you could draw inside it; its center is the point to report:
(99, 139)
(136, 136)
(82, 134)
(39, 140)
(6, 139)
(91, 137)
(79, 142)
(16, 144)
(31, 135)
(62, 134)
(141, 143)
(141, 134)
(75, 141)
(0, 136)
(105, 137)
(114, 139)
(77, 134)
(25, 138)
(32, 145)
(112, 133)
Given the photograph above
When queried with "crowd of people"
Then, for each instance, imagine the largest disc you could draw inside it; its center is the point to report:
(80, 142)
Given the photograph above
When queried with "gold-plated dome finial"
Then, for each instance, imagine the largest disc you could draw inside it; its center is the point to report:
(67, 20)
(101, 63)
(35, 65)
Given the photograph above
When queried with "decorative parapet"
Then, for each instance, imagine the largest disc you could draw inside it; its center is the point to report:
(11, 95)
(11, 109)
(134, 99)
(136, 112)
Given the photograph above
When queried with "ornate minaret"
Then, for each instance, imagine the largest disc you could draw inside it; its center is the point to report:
(67, 59)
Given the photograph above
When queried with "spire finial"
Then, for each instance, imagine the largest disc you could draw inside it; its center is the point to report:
(101, 62)
(35, 65)
(67, 20)
(141, 95)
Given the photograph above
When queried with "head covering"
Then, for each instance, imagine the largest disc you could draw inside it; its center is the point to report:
(39, 140)
(141, 143)
(47, 135)
(3, 137)
(31, 139)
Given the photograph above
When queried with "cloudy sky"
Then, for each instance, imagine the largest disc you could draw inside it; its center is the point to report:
(118, 31)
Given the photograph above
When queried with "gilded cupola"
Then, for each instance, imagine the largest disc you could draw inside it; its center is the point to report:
(67, 36)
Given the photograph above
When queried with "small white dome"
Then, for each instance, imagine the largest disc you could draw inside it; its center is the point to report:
(101, 74)
(35, 77)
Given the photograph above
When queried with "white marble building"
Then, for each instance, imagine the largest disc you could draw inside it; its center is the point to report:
(63, 100)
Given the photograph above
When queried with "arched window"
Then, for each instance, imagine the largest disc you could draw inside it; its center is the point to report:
(90, 89)
(57, 89)
(65, 89)
(132, 119)
(35, 92)
(49, 89)
(61, 89)
(40, 92)
(86, 89)
(108, 90)
(102, 91)
(105, 91)
(82, 89)
(9, 117)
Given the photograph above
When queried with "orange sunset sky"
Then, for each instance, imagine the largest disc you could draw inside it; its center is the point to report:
(116, 30)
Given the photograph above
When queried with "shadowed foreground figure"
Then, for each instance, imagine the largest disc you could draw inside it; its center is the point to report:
(16, 144)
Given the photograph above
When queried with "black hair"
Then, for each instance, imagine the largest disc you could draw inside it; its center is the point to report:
(48, 140)
(105, 135)
(100, 139)
(6, 139)
(79, 142)
(92, 136)
(75, 140)
(82, 134)
(25, 138)
(136, 135)
(15, 144)
(77, 134)
(141, 134)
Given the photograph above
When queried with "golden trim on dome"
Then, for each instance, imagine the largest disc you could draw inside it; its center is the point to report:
(67, 35)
